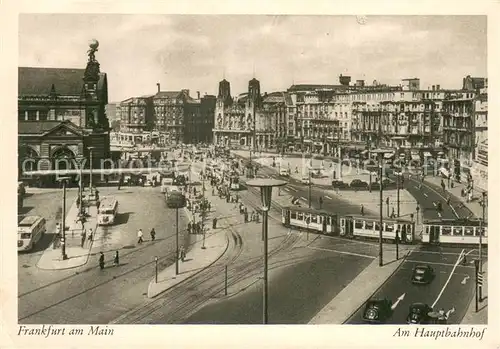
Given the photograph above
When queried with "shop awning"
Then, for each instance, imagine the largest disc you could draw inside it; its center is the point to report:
(427, 154)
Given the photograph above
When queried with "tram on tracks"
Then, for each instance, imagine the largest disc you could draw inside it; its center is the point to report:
(454, 231)
(350, 227)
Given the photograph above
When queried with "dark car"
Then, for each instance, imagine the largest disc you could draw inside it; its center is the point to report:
(357, 183)
(337, 184)
(377, 310)
(422, 274)
(419, 314)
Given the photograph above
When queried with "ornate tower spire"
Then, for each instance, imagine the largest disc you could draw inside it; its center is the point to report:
(92, 70)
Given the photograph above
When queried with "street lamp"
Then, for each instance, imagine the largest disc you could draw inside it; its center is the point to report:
(91, 149)
(309, 187)
(156, 270)
(266, 188)
(483, 204)
(63, 218)
(398, 178)
(380, 169)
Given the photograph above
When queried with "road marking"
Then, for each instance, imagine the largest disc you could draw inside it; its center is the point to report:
(470, 251)
(439, 214)
(292, 189)
(425, 194)
(435, 263)
(453, 209)
(448, 281)
(342, 252)
(415, 187)
(434, 203)
(435, 252)
(326, 196)
(464, 281)
(303, 198)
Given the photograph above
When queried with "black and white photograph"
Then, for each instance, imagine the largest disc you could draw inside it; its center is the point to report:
(252, 169)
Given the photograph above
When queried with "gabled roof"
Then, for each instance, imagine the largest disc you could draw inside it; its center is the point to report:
(46, 127)
(66, 81)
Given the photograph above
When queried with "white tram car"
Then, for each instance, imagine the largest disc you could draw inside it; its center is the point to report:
(308, 218)
(349, 227)
(454, 232)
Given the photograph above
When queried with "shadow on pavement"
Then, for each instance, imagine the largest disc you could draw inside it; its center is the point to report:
(122, 218)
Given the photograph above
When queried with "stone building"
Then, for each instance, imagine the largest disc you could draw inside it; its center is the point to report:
(61, 114)
(243, 121)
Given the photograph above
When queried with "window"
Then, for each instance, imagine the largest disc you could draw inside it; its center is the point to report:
(314, 219)
(469, 231)
(446, 230)
(368, 225)
(358, 224)
(43, 115)
(457, 231)
(20, 115)
(31, 115)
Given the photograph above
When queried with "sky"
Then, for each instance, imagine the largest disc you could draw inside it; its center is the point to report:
(196, 51)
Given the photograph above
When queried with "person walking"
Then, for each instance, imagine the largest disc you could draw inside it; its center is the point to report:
(84, 237)
(101, 261)
(139, 237)
(116, 260)
(362, 210)
(153, 234)
(90, 237)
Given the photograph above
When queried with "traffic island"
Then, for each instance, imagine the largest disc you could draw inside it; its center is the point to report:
(216, 243)
(78, 255)
(355, 295)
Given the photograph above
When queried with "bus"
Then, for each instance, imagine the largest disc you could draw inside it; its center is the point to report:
(459, 231)
(29, 231)
(108, 209)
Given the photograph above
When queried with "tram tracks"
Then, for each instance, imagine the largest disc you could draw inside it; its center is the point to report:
(185, 298)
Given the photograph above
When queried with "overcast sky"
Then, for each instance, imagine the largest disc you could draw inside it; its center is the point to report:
(194, 51)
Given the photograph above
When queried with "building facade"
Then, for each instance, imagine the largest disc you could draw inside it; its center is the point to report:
(244, 121)
(61, 114)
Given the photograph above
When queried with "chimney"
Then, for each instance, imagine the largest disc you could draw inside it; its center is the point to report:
(158, 85)
(198, 93)
(437, 87)
(433, 87)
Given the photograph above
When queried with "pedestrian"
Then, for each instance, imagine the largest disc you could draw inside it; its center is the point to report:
(101, 261)
(139, 237)
(97, 195)
(246, 217)
(320, 202)
(392, 213)
(153, 234)
(214, 223)
(182, 253)
(116, 260)
(90, 237)
(448, 200)
(189, 227)
(362, 210)
(84, 237)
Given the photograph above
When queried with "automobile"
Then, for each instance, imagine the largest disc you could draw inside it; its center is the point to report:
(419, 314)
(377, 310)
(305, 180)
(422, 274)
(284, 172)
(357, 183)
(337, 184)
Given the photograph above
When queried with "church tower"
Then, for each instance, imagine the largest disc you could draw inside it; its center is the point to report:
(225, 92)
(254, 92)
(95, 114)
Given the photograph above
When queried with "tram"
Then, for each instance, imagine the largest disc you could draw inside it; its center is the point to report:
(453, 231)
(349, 226)
(311, 219)
(369, 228)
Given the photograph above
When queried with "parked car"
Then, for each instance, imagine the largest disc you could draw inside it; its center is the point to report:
(359, 184)
(284, 172)
(305, 180)
(419, 314)
(377, 310)
(422, 274)
(337, 184)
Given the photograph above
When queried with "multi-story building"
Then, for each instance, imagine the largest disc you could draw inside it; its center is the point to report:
(243, 121)
(61, 114)
(136, 119)
(199, 119)
(166, 117)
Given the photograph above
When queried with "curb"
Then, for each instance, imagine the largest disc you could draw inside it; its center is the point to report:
(377, 289)
(194, 274)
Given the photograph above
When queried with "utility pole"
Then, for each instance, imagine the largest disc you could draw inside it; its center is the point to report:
(399, 174)
(483, 225)
(309, 184)
(381, 260)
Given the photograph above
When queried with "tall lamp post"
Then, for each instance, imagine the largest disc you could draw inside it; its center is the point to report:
(399, 175)
(380, 154)
(266, 188)
(91, 165)
(483, 204)
(309, 187)
(64, 180)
